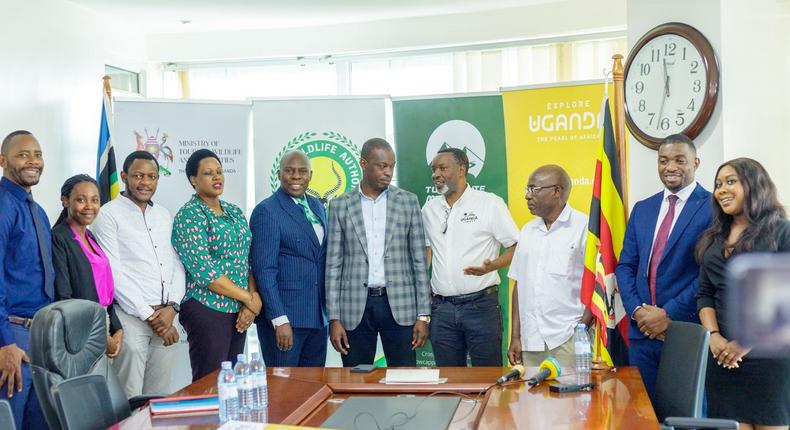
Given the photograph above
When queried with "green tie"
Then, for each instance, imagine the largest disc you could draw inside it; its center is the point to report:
(308, 213)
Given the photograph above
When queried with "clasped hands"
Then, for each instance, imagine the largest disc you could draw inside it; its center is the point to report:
(249, 310)
(161, 322)
(652, 321)
(727, 353)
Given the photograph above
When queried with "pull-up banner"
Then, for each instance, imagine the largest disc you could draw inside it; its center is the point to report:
(473, 123)
(330, 131)
(173, 130)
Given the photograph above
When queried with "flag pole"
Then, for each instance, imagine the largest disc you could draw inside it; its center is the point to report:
(107, 88)
(618, 118)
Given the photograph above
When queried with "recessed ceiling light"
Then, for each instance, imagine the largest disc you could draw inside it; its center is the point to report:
(185, 21)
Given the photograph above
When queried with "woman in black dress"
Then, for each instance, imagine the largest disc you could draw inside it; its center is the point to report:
(747, 217)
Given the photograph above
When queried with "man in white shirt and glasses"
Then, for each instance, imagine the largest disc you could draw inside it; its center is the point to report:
(547, 268)
(134, 232)
(465, 229)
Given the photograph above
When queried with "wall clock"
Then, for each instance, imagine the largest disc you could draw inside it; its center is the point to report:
(671, 83)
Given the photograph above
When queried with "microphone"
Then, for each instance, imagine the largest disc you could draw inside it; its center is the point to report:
(549, 369)
(516, 371)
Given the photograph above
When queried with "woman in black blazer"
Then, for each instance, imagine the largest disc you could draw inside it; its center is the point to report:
(82, 270)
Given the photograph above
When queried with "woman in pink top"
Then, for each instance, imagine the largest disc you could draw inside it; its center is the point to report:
(82, 270)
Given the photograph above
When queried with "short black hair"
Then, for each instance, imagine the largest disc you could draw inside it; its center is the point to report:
(372, 144)
(460, 156)
(7, 140)
(138, 155)
(679, 138)
(68, 187)
(195, 159)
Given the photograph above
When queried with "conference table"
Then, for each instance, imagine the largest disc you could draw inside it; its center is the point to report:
(308, 396)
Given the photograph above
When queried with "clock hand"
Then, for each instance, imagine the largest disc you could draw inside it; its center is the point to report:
(664, 96)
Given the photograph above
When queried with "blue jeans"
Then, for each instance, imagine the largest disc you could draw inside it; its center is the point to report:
(308, 350)
(24, 404)
(473, 327)
(395, 338)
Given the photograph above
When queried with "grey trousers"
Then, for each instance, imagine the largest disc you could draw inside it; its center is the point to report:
(144, 363)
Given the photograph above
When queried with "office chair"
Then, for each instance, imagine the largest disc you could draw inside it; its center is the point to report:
(680, 383)
(6, 416)
(67, 341)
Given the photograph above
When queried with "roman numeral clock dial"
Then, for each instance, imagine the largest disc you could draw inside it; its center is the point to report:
(671, 84)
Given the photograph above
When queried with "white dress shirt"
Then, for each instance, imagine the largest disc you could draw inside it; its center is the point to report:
(145, 267)
(683, 196)
(374, 212)
(465, 235)
(548, 266)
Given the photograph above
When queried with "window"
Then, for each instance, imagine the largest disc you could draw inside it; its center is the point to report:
(123, 80)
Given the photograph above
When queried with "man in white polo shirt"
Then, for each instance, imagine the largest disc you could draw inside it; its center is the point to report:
(465, 229)
(547, 268)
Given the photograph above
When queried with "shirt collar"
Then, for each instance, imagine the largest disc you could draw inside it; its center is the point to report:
(206, 208)
(130, 203)
(14, 189)
(563, 218)
(381, 196)
(465, 194)
(683, 194)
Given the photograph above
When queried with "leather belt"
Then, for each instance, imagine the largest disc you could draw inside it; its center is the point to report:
(377, 291)
(463, 298)
(24, 322)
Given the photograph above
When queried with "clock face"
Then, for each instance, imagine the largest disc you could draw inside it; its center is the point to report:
(665, 86)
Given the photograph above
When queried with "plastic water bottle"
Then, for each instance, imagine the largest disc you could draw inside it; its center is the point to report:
(228, 393)
(244, 381)
(260, 385)
(583, 350)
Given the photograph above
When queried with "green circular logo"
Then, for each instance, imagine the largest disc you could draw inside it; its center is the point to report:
(334, 160)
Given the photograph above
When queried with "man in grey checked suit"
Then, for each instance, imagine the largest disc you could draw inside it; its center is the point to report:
(376, 278)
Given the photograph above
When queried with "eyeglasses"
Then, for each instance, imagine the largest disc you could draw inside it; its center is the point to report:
(535, 190)
(446, 217)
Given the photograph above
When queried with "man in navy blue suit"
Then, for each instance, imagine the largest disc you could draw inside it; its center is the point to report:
(657, 273)
(288, 254)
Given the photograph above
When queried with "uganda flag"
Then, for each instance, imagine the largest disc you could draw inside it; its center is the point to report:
(605, 234)
(106, 172)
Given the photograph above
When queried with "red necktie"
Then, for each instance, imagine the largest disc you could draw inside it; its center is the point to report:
(659, 244)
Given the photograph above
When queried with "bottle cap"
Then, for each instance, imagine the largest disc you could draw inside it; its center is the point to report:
(226, 365)
(241, 358)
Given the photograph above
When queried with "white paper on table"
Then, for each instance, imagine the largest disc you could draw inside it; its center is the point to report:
(412, 376)
(242, 425)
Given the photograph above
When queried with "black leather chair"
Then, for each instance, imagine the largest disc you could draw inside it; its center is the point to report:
(67, 341)
(680, 383)
(676, 423)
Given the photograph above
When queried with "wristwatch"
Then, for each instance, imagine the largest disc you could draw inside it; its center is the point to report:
(424, 318)
(176, 307)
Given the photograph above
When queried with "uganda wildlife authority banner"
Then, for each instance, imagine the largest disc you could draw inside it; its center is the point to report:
(330, 131)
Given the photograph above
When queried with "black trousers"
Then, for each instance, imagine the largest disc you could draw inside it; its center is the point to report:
(212, 337)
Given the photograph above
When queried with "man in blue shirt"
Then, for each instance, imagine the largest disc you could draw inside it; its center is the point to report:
(26, 272)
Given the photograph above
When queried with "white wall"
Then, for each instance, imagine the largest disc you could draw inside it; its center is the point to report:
(543, 19)
(53, 55)
(752, 117)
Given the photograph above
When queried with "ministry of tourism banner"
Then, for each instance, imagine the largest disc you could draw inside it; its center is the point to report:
(330, 131)
(552, 125)
(173, 130)
(473, 123)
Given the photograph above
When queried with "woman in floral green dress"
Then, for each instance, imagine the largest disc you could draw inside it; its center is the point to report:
(212, 239)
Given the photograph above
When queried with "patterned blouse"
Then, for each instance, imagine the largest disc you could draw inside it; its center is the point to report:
(210, 246)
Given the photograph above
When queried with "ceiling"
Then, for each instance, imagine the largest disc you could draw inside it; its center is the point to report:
(165, 16)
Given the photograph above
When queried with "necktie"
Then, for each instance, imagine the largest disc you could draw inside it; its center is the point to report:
(659, 244)
(46, 258)
(307, 211)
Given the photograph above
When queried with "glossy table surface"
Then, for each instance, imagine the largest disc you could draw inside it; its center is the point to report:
(308, 396)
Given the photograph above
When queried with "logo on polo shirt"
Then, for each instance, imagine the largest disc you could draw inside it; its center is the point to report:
(334, 159)
(462, 135)
(468, 217)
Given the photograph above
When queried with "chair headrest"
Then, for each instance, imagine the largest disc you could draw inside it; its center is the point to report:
(68, 337)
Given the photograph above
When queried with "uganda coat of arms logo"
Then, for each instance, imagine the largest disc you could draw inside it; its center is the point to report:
(334, 160)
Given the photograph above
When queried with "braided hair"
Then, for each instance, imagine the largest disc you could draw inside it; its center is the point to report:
(67, 188)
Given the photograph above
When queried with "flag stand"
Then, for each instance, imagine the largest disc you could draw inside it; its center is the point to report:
(598, 363)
